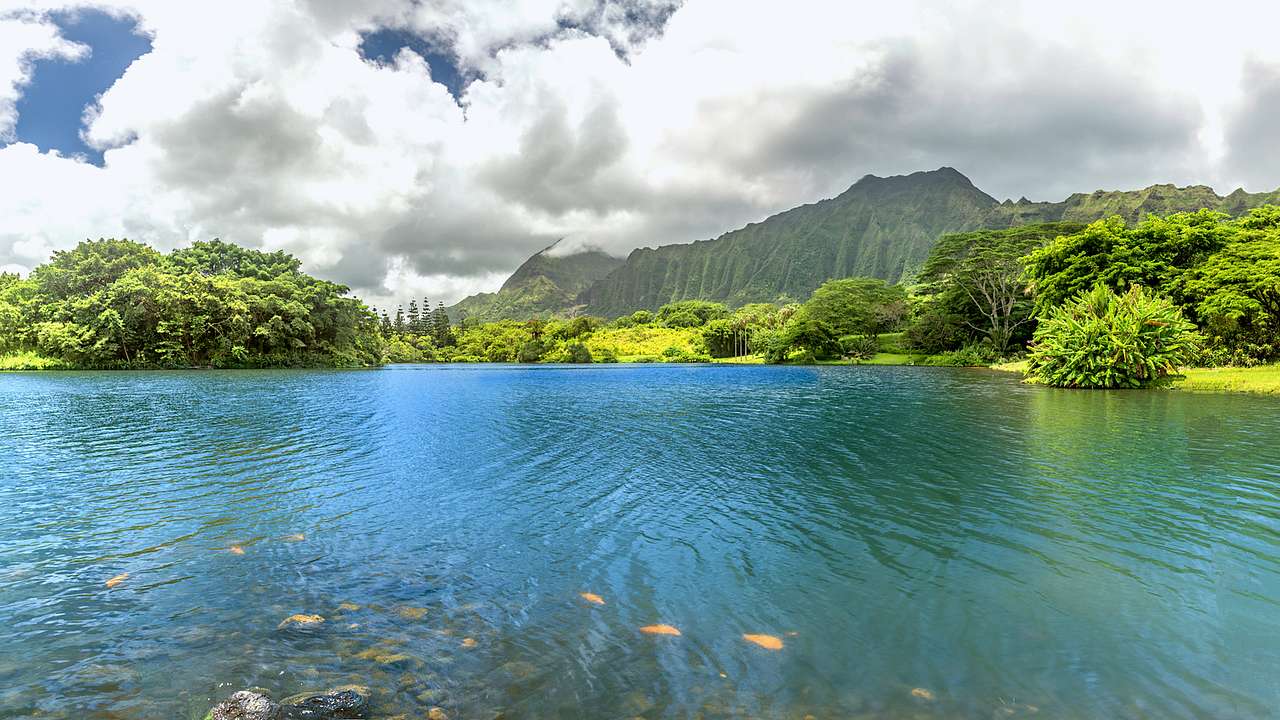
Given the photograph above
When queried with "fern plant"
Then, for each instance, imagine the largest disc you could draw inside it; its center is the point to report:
(1104, 340)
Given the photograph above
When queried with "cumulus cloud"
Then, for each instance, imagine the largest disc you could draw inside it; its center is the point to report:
(609, 123)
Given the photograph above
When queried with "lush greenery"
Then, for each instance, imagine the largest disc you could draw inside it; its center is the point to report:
(1108, 340)
(1222, 273)
(880, 227)
(121, 304)
(1263, 379)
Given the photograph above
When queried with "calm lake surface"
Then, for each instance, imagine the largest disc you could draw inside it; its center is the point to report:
(1004, 550)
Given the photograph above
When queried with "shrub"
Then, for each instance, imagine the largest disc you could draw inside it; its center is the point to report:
(578, 353)
(679, 355)
(1105, 340)
(859, 347)
(979, 354)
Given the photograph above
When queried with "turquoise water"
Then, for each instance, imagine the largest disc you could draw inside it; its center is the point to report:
(1002, 550)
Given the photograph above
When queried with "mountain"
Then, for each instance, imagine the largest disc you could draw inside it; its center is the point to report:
(544, 284)
(879, 227)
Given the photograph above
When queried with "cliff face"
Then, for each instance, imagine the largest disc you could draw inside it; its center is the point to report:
(879, 227)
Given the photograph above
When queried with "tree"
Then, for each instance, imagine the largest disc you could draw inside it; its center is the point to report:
(1235, 293)
(440, 328)
(415, 322)
(805, 331)
(1154, 253)
(857, 306)
(978, 279)
(1105, 340)
(690, 313)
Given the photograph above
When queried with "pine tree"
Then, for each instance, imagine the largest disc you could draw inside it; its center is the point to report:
(386, 323)
(440, 326)
(399, 321)
(415, 323)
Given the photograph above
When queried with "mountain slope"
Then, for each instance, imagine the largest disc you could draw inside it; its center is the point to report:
(545, 284)
(879, 227)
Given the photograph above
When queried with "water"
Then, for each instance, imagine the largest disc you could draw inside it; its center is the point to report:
(1007, 551)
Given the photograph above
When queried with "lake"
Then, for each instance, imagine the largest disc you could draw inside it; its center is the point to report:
(925, 543)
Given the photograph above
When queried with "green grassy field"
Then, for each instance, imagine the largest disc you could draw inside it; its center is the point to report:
(1264, 379)
(29, 361)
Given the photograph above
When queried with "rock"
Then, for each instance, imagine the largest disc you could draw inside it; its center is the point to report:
(300, 620)
(411, 613)
(347, 701)
(348, 607)
(246, 705)
(436, 713)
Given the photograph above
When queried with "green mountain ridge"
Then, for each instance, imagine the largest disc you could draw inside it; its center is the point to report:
(545, 284)
(879, 227)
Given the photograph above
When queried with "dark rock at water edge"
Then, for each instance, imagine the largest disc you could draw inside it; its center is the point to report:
(342, 703)
(350, 702)
(246, 705)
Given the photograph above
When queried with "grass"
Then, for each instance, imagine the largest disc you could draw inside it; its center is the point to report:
(1264, 379)
(643, 341)
(30, 361)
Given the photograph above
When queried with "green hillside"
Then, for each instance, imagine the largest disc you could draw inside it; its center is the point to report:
(879, 227)
(545, 284)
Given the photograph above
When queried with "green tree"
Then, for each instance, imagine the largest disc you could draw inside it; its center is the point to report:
(978, 280)
(857, 306)
(690, 313)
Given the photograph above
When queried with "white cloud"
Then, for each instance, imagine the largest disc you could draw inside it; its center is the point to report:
(258, 121)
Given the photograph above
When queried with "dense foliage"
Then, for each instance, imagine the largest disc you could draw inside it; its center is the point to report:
(1222, 273)
(1107, 340)
(879, 227)
(120, 304)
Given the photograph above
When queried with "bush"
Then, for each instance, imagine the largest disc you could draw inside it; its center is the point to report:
(979, 354)
(859, 347)
(531, 352)
(606, 355)
(679, 355)
(1105, 340)
(578, 353)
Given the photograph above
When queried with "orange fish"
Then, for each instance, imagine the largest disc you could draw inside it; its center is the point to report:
(117, 580)
(922, 694)
(468, 642)
(592, 598)
(236, 550)
(659, 630)
(768, 642)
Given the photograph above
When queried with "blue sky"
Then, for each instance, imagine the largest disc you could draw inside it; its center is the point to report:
(51, 109)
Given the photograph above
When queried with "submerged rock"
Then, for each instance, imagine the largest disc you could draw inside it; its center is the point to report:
(246, 705)
(340, 703)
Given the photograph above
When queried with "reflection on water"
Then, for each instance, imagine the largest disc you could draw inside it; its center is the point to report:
(840, 542)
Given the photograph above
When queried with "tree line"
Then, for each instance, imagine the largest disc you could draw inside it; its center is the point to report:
(121, 304)
(1103, 304)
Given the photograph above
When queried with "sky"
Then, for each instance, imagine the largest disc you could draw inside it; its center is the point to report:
(412, 148)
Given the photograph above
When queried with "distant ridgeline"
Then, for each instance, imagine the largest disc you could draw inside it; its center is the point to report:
(880, 227)
(121, 304)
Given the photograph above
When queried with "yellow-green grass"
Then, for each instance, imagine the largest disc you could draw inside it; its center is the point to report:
(644, 341)
(1264, 379)
(740, 360)
(1017, 366)
(29, 361)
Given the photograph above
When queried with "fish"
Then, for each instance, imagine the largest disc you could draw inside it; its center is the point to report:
(592, 598)
(236, 550)
(922, 693)
(768, 642)
(117, 580)
(296, 537)
(659, 630)
(468, 642)
(300, 620)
